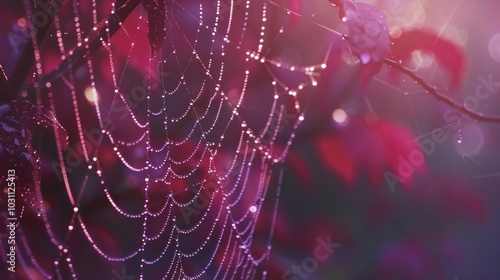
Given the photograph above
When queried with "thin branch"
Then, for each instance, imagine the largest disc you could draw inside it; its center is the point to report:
(440, 96)
(102, 32)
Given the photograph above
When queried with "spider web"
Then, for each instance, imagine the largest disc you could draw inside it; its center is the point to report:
(173, 166)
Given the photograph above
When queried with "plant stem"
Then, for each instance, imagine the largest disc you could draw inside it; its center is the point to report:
(440, 96)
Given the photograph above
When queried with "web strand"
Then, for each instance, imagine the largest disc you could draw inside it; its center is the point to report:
(205, 177)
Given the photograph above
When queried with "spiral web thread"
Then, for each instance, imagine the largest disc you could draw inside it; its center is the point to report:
(206, 177)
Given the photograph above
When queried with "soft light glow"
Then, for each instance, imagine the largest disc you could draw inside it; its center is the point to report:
(91, 95)
(339, 116)
(21, 22)
(494, 47)
(395, 31)
(421, 60)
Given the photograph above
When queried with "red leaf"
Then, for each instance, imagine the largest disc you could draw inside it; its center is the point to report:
(156, 22)
(301, 168)
(448, 53)
(135, 57)
(336, 157)
(401, 150)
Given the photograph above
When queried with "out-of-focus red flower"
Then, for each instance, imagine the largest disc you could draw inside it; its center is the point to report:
(374, 147)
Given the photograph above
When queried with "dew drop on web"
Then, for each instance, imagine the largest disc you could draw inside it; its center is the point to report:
(459, 137)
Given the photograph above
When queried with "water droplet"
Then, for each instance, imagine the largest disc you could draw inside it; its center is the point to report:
(365, 58)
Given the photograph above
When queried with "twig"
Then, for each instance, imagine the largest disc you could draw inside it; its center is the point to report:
(440, 96)
(104, 30)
